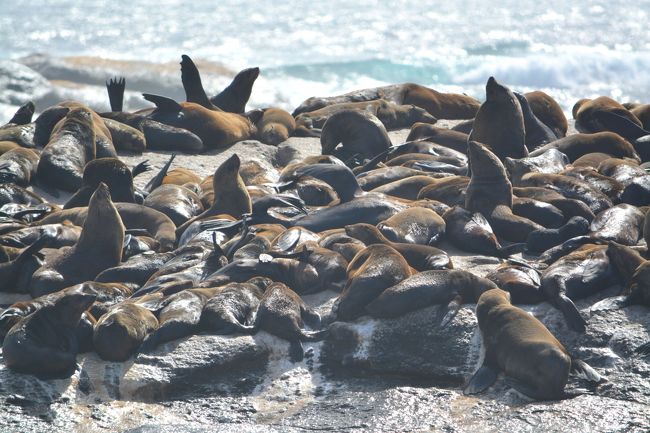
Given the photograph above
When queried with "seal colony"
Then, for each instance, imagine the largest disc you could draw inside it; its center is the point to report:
(123, 270)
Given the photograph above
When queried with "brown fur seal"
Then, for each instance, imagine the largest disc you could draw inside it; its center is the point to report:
(439, 105)
(23, 115)
(180, 176)
(119, 332)
(448, 287)
(622, 223)
(420, 257)
(372, 271)
(522, 282)
(283, 313)
(177, 202)
(576, 145)
(548, 111)
(605, 114)
(537, 133)
(569, 207)
(11, 270)
(392, 115)
(472, 232)
(551, 161)
(111, 171)
(275, 126)
(534, 361)
(415, 225)
(18, 166)
(70, 148)
(214, 128)
(45, 342)
(446, 137)
(99, 247)
(232, 309)
(359, 132)
(449, 190)
(642, 112)
(499, 123)
(372, 179)
(126, 138)
(103, 138)
(230, 194)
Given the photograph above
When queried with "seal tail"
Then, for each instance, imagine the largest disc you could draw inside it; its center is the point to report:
(115, 88)
(584, 370)
(571, 314)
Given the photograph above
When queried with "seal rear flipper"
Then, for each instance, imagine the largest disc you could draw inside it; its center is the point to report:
(571, 314)
(296, 351)
(451, 311)
(163, 103)
(584, 371)
(115, 88)
(156, 181)
(644, 349)
(24, 114)
(621, 125)
(142, 167)
(482, 380)
(191, 78)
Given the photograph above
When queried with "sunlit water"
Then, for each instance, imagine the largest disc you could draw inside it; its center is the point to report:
(306, 48)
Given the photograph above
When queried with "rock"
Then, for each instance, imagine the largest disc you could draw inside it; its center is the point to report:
(413, 344)
(20, 84)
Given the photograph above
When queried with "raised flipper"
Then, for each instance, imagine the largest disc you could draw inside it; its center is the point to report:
(310, 317)
(115, 88)
(142, 167)
(191, 78)
(156, 181)
(584, 370)
(571, 313)
(163, 103)
(296, 351)
(451, 311)
(24, 114)
(621, 125)
(482, 380)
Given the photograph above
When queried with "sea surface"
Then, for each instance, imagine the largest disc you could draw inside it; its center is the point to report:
(319, 48)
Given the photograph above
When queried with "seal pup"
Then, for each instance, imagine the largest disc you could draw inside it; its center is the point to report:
(99, 248)
(499, 123)
(283, 313)
(534, 361)
(359, 132)
(45, 342)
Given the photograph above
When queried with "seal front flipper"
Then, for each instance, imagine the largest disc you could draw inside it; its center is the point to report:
(451, 311)
(142, 167)
(163, 103)
(156, 181)
(571, 313)
(191, 78)
(115, 88)
(482, 380)
(584, 370)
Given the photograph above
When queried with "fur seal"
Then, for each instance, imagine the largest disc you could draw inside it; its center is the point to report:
(111, 171)
(537, 133)
(499, 123)
(275, 126)
(99, 247)
(120, 332)
(522, 282)
(540, 212)
(373, 270)
(420, 257)
(18, 166)
(608, 186)
(70, 148)
(125, 137)
(569, 207)
(11, 270)
(177, 202)
(605, 114)
(622, 223)
(439, 105)
(548, 111)
(392, 115)
(575, 276)
(283, 313)
(449, 190)
(534, 361)
(472, 232)
(215, 128)
(230, 194)
(448, 287)
(446, 137)
(372, 179)
(359, 132)
(45, 342)
(490, 193)
(415, 225)
(543, 239)
(551, 161)
(23, 115)
(232, 309)
(576, 145)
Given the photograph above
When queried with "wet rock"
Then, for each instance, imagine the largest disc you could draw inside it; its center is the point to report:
(413, 344)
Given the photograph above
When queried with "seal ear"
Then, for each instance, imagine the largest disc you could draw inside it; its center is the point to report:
(163, 103)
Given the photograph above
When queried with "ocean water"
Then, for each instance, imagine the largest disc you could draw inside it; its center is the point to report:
(309, 48)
